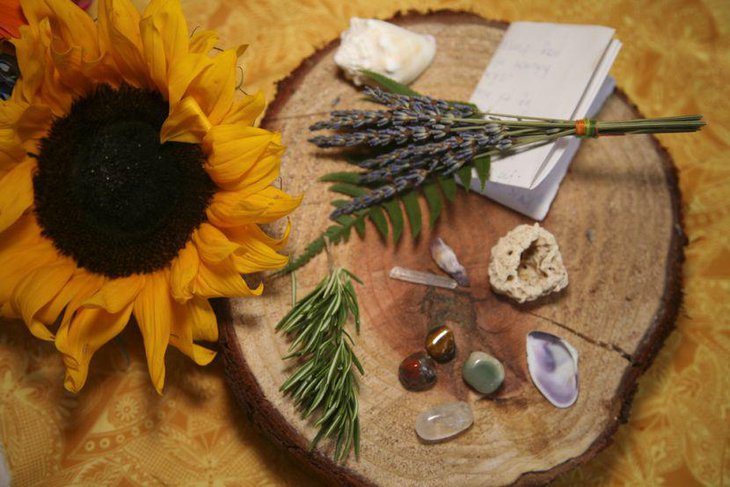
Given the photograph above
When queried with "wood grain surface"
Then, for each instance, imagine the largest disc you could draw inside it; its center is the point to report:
(624, 293)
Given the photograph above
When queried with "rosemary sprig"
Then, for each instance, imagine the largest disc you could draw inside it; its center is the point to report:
(324, 379)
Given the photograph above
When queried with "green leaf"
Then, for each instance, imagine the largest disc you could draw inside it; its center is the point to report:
(396, 218)
(378, 218)
(482, 164)
(413, 210)
(389, 84)
(348, 189)
(465, 177)
(340, 177)
(448, 186)
(360, 226)
(433, 198)
(356, 159)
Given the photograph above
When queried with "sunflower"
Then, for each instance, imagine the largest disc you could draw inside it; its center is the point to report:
(132, 182)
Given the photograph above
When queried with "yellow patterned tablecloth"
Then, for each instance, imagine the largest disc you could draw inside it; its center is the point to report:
(675, 60)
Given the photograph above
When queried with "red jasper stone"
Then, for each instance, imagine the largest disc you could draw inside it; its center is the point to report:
(417, 372)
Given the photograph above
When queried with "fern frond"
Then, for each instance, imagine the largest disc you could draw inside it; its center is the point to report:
(398, 209)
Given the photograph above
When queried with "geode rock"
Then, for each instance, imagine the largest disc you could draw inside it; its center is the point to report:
(526, 264)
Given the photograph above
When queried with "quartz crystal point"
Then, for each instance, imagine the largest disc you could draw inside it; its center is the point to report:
(553, 366)
(444, 421)
(425, 278)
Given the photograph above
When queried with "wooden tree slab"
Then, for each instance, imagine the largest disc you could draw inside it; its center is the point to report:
(617, 221)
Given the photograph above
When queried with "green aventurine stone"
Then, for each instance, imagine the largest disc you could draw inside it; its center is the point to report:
(483, 372)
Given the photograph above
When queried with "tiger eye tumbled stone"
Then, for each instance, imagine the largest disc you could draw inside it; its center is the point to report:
(417, 372)
(440, 344)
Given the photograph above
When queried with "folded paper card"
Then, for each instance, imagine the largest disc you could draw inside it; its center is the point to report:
(543, 70)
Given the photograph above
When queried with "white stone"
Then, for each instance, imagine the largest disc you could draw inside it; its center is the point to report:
(384, 48)
(444, 421)
(526, 264)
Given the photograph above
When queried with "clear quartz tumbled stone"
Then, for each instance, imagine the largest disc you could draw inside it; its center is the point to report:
(444, 421)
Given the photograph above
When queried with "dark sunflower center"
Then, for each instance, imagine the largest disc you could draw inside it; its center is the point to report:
(108, 194)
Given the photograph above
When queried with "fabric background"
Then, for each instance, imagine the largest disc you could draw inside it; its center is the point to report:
(118, 431)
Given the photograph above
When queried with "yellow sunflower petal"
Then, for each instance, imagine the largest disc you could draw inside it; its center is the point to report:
(22, 250)
(263, 173)
(212, 244)
(254, 255)
(34, 122)
(235, 149)
(153, 310)
(246, 110)
(205, 323)
(186, 123)
(69, 65)
(232, 208)
(14, 265)
(215, 86)
(70, 24)
(37, 289)
(164, 34)
(16, 193)
(240, 234)
(30, 53)
(20, 125)
(21, 235)
(73, 42)
(119, 34)
(20, 121)
(222, 280)
(183, 72)
(116, 294)
(202, 41)
(181, 334)
(88, 284)
(81, 337)
(11, 151)
(182, 273)
(40, 83)
(77, 285)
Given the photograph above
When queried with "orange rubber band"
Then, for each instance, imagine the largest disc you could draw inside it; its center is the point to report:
(586, 128)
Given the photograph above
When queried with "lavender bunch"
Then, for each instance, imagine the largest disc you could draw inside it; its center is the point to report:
(420, 139)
